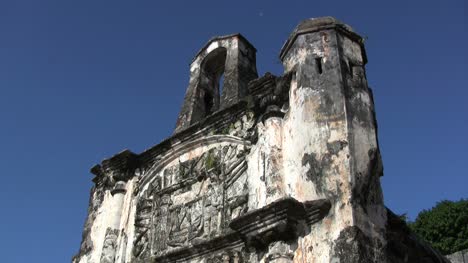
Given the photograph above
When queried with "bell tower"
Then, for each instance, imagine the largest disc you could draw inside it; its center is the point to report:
(219, 75)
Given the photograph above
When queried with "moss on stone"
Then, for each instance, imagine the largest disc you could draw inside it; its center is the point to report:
(210, 160)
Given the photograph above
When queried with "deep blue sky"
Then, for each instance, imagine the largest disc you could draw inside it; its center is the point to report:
(83, 80)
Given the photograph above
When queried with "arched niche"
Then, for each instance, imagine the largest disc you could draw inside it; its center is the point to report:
(211, 70)
(228, 58)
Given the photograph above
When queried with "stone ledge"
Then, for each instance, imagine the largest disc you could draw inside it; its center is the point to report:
(284, 219)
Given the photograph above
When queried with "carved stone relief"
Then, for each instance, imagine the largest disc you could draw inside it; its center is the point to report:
(110, 246)
(229, 256)
(192, 201)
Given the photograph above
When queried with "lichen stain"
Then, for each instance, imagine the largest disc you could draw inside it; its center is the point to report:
(311, 105)
(305, 251)
(302, 54)
(368, 182)
(299, 191)
(327, 223)
(353, 245)
(314, 172)
(298, 256)
(318, 167)
(275, 185)
(325, 45)
(336, 146)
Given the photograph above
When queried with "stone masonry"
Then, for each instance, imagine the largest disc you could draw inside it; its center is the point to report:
(267, 169)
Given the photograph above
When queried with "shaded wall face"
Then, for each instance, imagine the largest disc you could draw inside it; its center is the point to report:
(366, 168)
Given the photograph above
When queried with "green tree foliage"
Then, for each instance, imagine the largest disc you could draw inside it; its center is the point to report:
(445, 226)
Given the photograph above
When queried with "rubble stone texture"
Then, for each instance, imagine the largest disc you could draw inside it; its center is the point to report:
(271, 169)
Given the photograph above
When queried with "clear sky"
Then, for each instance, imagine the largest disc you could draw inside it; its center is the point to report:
(83, 80)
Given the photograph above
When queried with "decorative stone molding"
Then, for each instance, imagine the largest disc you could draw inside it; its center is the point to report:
(282, 220)
(188, 146)
(272, 111)
(316, 210)
(110, 246)
(279, 252)
(119, 188)
(276, 102)
(230, 241)
(120, 167)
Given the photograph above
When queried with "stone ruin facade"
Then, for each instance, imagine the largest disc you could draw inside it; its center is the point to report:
(267, 169)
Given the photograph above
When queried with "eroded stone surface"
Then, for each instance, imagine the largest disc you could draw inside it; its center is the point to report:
(272, 169)
(459, 257)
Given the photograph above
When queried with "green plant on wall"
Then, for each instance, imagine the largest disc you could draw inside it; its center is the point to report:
(210, 160)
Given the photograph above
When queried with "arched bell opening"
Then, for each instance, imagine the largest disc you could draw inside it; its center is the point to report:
(211, 80)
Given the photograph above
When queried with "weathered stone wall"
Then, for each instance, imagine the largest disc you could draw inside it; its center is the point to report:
(271, 169)
(332, 107)
(459, 257)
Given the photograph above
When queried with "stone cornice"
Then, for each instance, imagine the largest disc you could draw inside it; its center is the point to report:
(119, 167)
(284, 219)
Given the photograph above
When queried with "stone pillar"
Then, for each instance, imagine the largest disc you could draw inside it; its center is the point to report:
(272, 153)
(118, 195)
(103, 225)
(331, 149)
(110, 246)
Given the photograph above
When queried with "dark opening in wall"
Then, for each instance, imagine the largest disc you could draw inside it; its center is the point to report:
(208, 102)
(212, 79)
(318, 64)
